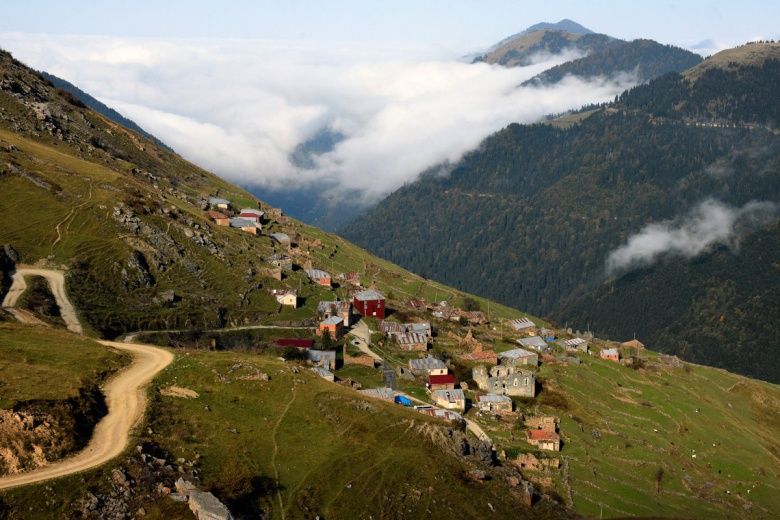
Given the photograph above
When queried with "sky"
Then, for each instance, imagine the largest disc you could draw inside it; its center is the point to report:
(236, 86)
(462, 23)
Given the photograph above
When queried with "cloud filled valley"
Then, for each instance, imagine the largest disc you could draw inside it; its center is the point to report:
(241, 107)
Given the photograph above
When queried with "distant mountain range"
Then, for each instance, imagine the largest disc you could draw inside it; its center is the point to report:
(531, 216)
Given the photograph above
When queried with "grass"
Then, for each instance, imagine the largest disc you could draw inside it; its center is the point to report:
(46, 363)
(332, 451)
(660, 418)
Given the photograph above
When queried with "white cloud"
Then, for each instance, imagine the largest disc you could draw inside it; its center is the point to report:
(709, 224)
(239, 107)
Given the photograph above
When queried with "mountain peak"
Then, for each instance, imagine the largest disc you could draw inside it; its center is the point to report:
(563, 25)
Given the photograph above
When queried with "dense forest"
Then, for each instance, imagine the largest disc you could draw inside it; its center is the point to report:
(531, 216)
(645, 58)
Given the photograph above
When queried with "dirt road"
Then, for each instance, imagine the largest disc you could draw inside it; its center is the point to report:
(125, 394)
(56, 283)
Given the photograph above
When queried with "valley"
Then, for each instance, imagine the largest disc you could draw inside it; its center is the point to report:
(489, 341)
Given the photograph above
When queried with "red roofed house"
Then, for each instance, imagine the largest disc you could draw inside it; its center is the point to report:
(442, 382)
(370, 303)
(251, 214)
(543, 439)
(219, 219)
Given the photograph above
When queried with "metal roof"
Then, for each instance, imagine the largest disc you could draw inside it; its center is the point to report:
(369, 294)
(280, 237)
(574, 342)
(533, 341)
(253, 211)
(521, 324)
(450, 395)
(217, 200)
(516, 353)
(316, 274)
(411, 338)
(428, 363)
(241, 222)
(333, 320)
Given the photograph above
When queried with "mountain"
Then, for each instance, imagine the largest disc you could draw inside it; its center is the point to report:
(99, 107)
(523, 48)
(565, 25)
(531, 216)
(124, 219)
(646, 59)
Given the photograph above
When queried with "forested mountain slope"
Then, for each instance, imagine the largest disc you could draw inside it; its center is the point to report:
(531, 217)
(646, 59)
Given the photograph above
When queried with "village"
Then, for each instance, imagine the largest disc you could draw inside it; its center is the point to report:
(435, 358)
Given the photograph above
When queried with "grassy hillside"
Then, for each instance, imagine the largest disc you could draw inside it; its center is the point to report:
(45, 363)
(643, 442)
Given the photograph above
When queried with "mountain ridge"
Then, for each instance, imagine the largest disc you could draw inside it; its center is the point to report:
(561, 198)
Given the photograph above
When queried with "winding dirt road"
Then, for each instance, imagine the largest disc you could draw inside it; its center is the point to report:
(125, 394)
(56, 283)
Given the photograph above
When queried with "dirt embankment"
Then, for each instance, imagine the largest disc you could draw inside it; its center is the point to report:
(35, 433)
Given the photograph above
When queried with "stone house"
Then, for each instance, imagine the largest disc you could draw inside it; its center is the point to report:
(524, 326)
(412, 341)
(534, 343)
(220, 203)
(283, 239)
(493, 403)
(519, 357)
(610, 354)
(287, 297)
(543, 439)
(324, 358)
(429, 366)
(247, 226)
(633, 343)
(219, 218)
(341, 309)
(450, 399)
(542, 422)
(281, 261)
(575, 344)
(505, 380)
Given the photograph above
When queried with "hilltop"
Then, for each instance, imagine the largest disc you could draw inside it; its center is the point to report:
(531, 216)
(520, 49)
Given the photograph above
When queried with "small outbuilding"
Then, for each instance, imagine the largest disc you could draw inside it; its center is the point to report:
(219, 218)
(216, 202)
(493, 403)
(450, 399)
(610, 354)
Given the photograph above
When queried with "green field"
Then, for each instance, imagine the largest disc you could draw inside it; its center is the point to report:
(46, 363)
(712, 434)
